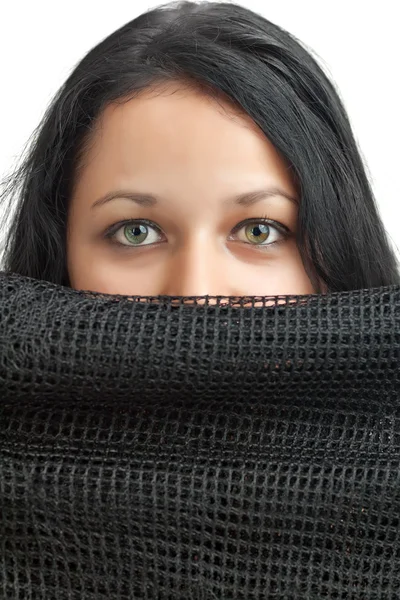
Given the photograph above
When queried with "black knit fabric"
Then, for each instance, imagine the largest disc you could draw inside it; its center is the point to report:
(195, 450)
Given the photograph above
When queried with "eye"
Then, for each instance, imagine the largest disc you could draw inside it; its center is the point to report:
(257, 232)
(134, 233)
(261, 232)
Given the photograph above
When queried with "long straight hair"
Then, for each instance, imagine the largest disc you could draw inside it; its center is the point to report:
(225, 48)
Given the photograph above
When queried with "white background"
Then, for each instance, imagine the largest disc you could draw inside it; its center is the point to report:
(356, 42)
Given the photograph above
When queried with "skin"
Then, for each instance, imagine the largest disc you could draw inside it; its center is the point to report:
(195, 154)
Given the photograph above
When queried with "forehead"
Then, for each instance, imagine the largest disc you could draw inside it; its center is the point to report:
(180, 131)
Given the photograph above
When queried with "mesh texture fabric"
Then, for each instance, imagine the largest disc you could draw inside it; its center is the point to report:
(198, 449)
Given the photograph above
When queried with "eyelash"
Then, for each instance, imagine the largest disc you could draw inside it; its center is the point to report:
(282, 229)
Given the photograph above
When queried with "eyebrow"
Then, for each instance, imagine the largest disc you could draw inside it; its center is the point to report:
(245, 199)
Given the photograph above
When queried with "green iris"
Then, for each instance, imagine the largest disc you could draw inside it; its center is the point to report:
(136, 233)
(257, 233)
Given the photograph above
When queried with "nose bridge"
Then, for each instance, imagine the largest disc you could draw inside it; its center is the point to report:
(195, 268)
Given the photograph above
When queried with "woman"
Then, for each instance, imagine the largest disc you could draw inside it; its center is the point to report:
(197, 150)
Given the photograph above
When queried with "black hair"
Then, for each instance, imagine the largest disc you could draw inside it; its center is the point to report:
(267, 73)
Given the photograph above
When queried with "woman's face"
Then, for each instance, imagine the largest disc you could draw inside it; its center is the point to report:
(176, 196)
